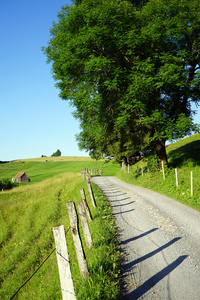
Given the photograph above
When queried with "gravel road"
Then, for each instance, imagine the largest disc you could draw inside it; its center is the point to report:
(160, 239)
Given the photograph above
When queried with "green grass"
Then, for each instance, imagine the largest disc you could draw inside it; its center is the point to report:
(186, 152)
(29, 212)
(183, 155)
(27, 215)
(40, 169)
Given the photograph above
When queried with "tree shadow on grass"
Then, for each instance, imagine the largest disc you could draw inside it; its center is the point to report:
(189, 152)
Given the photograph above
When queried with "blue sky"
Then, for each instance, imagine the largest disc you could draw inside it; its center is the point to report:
(34, 121)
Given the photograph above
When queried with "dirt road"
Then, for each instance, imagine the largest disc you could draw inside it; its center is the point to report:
(160, 239)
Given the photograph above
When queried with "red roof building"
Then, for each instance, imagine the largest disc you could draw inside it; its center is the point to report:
(21, 177)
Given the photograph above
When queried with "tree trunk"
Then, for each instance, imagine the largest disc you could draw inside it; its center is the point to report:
(161, 151)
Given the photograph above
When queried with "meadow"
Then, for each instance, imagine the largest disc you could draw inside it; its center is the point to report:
(29, 212)
(27, 215)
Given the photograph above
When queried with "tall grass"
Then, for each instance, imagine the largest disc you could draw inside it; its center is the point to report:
(27, 215)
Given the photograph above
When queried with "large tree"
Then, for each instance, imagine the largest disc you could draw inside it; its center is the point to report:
(130, 68)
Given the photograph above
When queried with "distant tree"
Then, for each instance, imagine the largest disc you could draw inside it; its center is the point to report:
(57, 153)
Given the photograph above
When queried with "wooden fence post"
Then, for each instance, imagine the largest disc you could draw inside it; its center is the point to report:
(82, 174)
(66, 282)
(163, 170)
(137, 170)
(77, 241)
(191, 184)
(86, 230)
(88, 178)
(87, 209)
(91, 194)
(176, 177)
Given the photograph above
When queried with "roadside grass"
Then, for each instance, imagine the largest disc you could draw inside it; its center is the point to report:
(183, 155)
(27, 215)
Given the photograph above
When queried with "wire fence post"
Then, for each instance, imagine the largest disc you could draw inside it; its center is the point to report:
(137, 170)
(66, 282)
(86, 230)
(176, 174)
(73, 218)
(163, 169)
(91, 194)
(191, 184)
(85, 204)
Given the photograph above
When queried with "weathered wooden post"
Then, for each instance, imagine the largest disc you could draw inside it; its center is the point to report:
(77, 241)
(87, 177)
(137, 170)
(128, 168)
(191, 184)
(87, 209)
(91, 194)
(163, 170)
(176, 174)
(66, 282)
(86, 230)
(82, 174)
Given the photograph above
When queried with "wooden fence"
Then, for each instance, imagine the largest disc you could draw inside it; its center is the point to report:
(176, 177)
(66, 281)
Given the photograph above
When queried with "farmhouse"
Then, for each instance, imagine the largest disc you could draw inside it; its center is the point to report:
(21, 177)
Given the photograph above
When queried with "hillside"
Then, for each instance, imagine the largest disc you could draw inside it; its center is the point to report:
(183, 155)
(28, 214)
(184, 151)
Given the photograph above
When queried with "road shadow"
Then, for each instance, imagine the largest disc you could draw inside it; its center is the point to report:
(124, 203)
(139, 236)
(122, 212)
(147, 285)
(136, 261)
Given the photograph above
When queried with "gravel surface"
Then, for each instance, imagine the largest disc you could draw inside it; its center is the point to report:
(160, 239)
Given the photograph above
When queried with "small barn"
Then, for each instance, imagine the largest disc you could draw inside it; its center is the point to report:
(21, 177)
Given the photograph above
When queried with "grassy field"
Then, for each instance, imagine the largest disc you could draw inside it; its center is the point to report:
(40, 169)
(27, 215)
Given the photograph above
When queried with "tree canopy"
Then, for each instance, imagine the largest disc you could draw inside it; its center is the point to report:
(131, 70)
